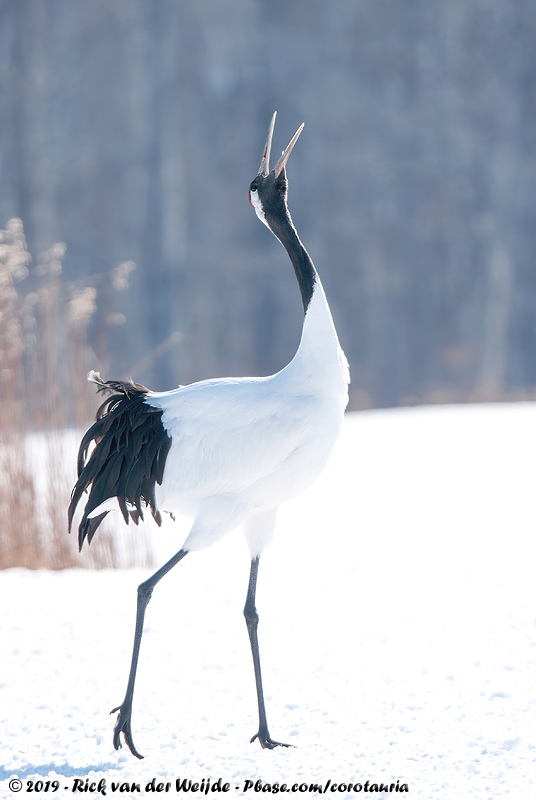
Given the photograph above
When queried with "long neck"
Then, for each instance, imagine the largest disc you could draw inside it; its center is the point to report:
(304, 268)
(319, 353)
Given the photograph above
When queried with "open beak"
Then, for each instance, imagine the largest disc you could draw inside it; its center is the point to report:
(264, 168)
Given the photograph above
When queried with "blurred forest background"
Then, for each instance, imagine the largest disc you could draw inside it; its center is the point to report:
(131, 129)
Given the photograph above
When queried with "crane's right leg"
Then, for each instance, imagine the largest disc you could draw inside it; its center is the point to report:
(145, 590)
(252, 621)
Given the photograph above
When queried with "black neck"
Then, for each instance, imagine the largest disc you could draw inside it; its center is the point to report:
(285, 231)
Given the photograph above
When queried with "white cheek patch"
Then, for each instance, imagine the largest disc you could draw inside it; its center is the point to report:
(257, 205)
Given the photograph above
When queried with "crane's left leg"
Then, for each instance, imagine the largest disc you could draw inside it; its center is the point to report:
(145, 590)
(252, 621)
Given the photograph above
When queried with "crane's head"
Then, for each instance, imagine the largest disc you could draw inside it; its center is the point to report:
(268, 191)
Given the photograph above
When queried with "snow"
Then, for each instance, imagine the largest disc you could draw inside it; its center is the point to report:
(397, 632)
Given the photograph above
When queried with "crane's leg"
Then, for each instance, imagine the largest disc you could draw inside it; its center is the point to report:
(145, 590)
(252, 621)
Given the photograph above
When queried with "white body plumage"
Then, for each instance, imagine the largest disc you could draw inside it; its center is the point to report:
(242, 446)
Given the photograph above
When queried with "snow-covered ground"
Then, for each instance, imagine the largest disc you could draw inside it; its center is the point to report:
(398, 633)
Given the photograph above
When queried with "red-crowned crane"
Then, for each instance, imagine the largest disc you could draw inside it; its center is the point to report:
(225, 452)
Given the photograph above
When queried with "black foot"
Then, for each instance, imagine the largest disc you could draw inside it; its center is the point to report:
(122, 726)
(267, 742)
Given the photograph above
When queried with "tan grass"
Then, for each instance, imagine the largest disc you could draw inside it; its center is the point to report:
(43, 393)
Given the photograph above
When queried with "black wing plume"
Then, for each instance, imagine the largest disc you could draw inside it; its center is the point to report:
(131, 447)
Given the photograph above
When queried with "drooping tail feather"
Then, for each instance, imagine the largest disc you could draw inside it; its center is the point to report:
(127, 460)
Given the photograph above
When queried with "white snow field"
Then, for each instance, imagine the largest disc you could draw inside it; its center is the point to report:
(397, 629)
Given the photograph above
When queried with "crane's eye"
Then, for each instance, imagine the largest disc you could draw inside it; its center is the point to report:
(252, 193)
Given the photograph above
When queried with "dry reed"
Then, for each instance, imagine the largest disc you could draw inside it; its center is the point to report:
(44, 401)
